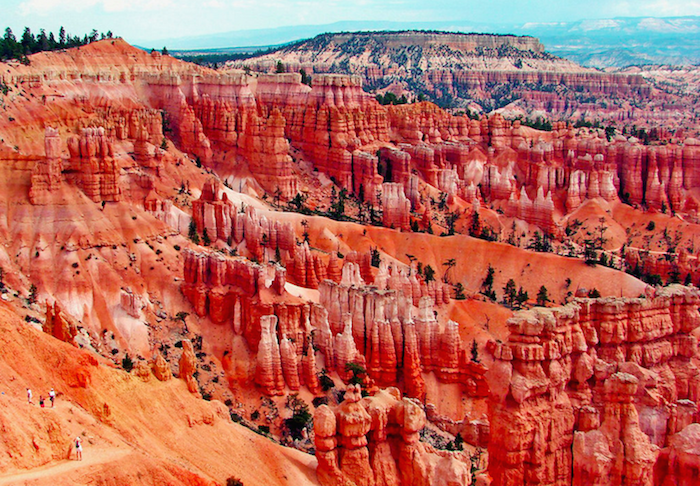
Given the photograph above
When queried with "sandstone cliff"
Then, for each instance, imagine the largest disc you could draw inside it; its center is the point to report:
(375, 441)
(592, 390)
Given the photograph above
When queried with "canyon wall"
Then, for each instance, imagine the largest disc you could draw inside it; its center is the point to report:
(458, 70)
(526, 172)
(376, 441)
(390, 328)
(593, 390)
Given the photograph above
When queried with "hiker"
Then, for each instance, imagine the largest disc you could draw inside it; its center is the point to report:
(78, 449)
(41, 401)
(52, 396)
(29, 395)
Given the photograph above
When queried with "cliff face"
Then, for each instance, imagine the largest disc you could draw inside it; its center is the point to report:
(400, 40)
(593, 390)
(393, 338)
(333, 120)
(376, 441)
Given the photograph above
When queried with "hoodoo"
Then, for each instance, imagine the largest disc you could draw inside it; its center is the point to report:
(240, 276)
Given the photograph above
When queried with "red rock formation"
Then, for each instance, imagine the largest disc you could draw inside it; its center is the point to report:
(333, 271)
(309, 369)
(263, 144)
(374, 325)
(364, 262)
(131, 303)
(396, 208)
(376, 441)
(46, 176)
(539, 212)
(618, 452)
(268, 371)
(679, 463)
(337, 118)
(188, 366)
(290, 366)
(304, 267)
(224, 221)
(161, 368)
(58, 324)
(92, 159)
(366, 180)
(396, 165)
(598, 375)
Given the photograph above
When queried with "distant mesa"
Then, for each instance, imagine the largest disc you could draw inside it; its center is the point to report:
(453, 69)
(478, 44)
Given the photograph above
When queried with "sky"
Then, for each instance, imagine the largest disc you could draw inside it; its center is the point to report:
(138, 20)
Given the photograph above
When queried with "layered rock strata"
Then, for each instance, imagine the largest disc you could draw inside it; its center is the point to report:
(591, 391)
(376, 441)
(532, 175)
(377, 327)
(222, 220)
(47, 174)
(91, 166)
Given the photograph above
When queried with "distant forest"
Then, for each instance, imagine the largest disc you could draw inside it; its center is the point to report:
(216, 59)
(11, 48)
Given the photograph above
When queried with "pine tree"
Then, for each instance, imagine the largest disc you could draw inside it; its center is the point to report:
(192, 232)
(522, 297)
(127, 363)
(205, 237)
(475, 351)
(509, 292)
(542, 296)
(428, 274)
(487, 284)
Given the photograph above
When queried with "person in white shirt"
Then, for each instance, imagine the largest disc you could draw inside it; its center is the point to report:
(78, 449)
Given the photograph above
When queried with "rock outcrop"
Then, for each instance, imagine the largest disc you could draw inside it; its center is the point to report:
(223, 220)
(679, 463)
(47, 174)
(377, 328)
(188, 366)
(264, 145)
(268, 374)
(396, 208)
(92, 159)
(376, 441)
(59, 324)
(161, 368)
(587, 391)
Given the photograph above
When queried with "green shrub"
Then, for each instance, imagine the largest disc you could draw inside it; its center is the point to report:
(127, 363)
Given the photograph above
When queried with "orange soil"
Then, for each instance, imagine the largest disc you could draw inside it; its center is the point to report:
(133, 431)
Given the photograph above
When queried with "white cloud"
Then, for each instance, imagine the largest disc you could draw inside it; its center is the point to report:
(663, 8)
(652, 8)
(46, 7)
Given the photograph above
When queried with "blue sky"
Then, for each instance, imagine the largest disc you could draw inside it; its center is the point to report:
(158, 19)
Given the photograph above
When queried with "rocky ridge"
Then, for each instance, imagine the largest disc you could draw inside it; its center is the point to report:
(455, 69)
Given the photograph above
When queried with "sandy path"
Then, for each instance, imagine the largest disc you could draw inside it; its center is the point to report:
(91, 457)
